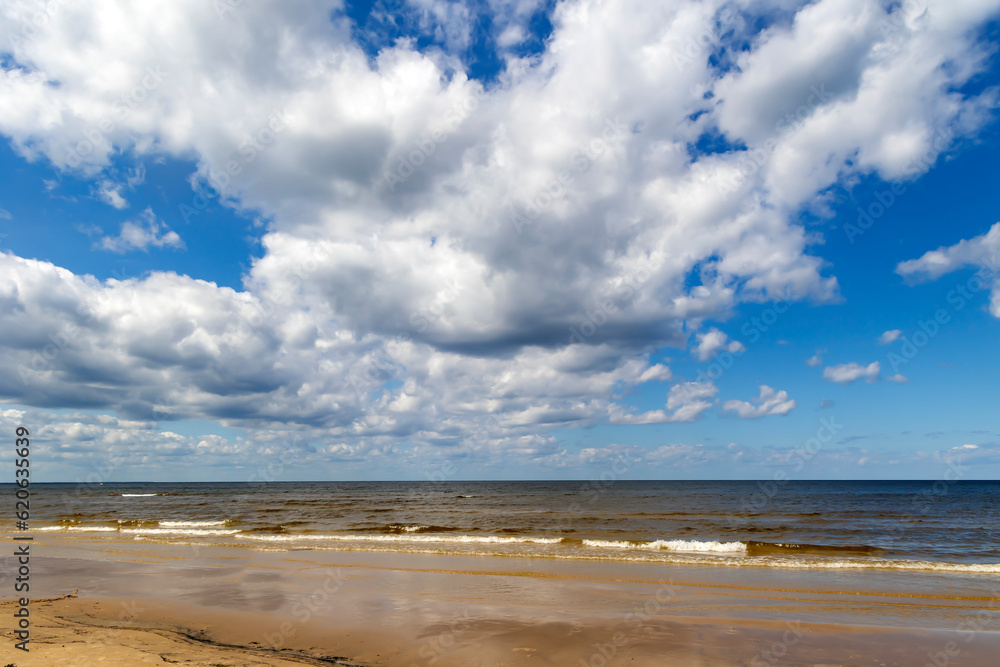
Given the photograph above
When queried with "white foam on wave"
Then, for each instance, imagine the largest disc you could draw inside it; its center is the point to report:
(458, 539)
(138, 495)
(78, 529)
(793, 563)
(671, 545)
(933, 566)
(191, 524)
(281, 538)
(729, 553)
(407, 529)
(177, 531)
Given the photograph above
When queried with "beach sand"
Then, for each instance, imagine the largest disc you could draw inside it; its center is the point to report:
(170, 604)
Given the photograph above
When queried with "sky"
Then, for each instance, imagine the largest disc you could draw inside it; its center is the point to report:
(509, 239)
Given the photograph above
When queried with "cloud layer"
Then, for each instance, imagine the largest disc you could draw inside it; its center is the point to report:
(449, 257)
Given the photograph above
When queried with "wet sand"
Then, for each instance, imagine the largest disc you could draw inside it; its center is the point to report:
(160, 604)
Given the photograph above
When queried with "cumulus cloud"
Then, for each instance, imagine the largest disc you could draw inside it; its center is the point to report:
(847, 373)
(972, 252)
(770, 402)
(900, 379)
(142, 234)
(711, 342)
(981, 251)
(170, 347)
(889, 336)
(446, 256)
(688, 400)
(815, 360)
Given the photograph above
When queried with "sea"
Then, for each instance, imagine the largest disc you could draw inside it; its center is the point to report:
(943, 526)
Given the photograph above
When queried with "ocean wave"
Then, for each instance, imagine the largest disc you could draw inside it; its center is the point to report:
(414, 528)
(138, 495)
(138, 522)
(458, 539)
(755, 548)
(191, 524)
(671, 558)
(727, 560)
(266, 529)
(178, 531)
(672, 552)
(670, 545)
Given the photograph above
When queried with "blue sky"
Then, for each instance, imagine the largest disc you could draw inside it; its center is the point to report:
(355, 242)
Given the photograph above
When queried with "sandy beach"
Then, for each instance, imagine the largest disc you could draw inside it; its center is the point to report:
(162, 604)
(83, 631)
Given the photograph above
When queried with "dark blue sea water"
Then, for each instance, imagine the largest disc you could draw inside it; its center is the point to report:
(924, 525)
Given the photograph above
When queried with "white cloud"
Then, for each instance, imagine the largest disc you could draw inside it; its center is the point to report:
(935, 263)
(711, 342)
(981, 251)
(512, 36)
(101, 448)
(142, 234)
(689, 400)
(170, 347)
(622, 416)
(643, 243)
(657, 373)
(686, 402)
(815, 360)
(683, 455)
(111, 194)
(847, 373)
(5, 214)
(960, 460)
(900, 379)
(889, 336)
(136, 177)
(770, 402)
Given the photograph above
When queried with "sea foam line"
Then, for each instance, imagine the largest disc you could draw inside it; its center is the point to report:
(670, 545)
(465, 539)
(190, 524)
(176, 531)
(733, 561)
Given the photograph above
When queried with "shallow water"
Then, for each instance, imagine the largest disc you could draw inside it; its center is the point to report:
(856, 525)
